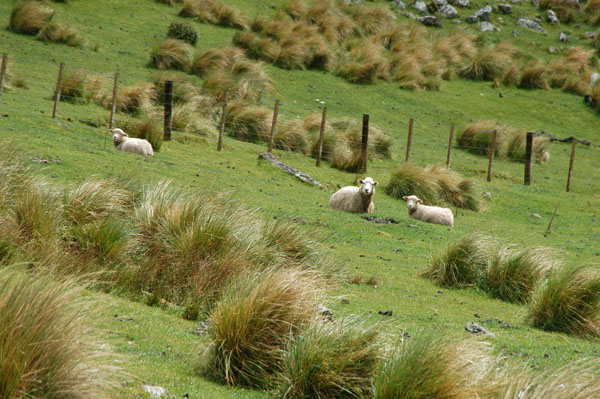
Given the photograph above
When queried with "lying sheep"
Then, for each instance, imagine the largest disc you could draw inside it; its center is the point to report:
(426, 213)
(125, 143)
(355, 199)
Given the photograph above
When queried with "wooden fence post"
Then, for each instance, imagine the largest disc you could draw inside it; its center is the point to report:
(222, 127)
(491, 151)
(168, 110)
(58, 89)
(409, 140)
(3, 73)
(113, 109)
(449, 157)
(275, 112)
(571, 163)
(321, 135)
(528, 148)
(365, 142)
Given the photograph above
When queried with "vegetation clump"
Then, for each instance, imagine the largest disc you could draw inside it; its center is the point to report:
(29, 17)
(182, 31)
(213, 12)
(172, 54)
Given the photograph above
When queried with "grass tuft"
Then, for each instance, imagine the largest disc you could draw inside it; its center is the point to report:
(29, 17)
(214, 12)
(172, 54)
(60, 33)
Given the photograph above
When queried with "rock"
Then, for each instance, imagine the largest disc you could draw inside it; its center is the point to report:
(305, 177)
(589, 35)
(486, 26)
(535, 3)
(531, 24)
(562, 36)
(430, 20)
(461, 3)
(517, 2)
(516, 32)
(487, 194)
(551, 17)
(202, 327)
(483, 14)
(386, 312)
(448, 12)
(505, 8)
(593, 79)
(387, 220)
(345, 302)
(155, 391)
(475, 328)
(399, 4)
(535, 215)
(552, 50)
(440, 3)
(421, 7)
(411, 16)
(325, 312)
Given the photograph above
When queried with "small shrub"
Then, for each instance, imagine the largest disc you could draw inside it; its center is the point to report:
(149, 129)
(172, 54)
(29, 17)
(182, 31)
(45, 347)
(60, 33)
(462, 263)
(330, 360)
(568, 301)
(253, 322)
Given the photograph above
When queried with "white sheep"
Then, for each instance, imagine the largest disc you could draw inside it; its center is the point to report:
(426, 213)
(125, 143)
(355, 199)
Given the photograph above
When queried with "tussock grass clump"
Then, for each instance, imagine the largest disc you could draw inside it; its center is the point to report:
(54, 32)
(94, 199)
(291, 136)
(253, 322)
(534, 78)
(172, 54)
(105, 239)
(14, 174)
(597, 41)
(213, 12)
(373, 20)
(149, 129)
(429, 366)
(187, 118)
(245, 80)
(513, 274)
(489, 63)
(247, 122)
(36, 211)
(45, 348)
(366, 63)
(568, 301)
(462, 263)
(184, 91)
(80, 87)
(216, 59)
(134, 99)
(29, 17)
(330, 360)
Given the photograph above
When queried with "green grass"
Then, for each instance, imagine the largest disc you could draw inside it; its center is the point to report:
(158, 345)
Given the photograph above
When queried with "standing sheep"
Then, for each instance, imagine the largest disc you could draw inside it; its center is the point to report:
(426, 213)
(355, 199)
(125, 143)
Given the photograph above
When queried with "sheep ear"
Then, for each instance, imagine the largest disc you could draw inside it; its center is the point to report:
(361, 181)
(125, 134)
(375, 183)
(420, 201)
(405, 197)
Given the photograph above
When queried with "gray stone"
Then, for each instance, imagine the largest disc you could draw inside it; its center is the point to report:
(594, 78)
(487, 194)
(562, 36)
(305, 177)
(486, 26)
(531, 24)
(551, 16)
(399, 4)
(202, 327)
(421, 7)
(589, 35)
(517, 2)
(448, 12)
(475, 328)
(552, 49)
(411, 16)
(535, 215)
(325, 312)
(440, 3)
(430, 20)
(516, 33)
(461, 3)
(483, 14)
(155, 391)
(505, 8)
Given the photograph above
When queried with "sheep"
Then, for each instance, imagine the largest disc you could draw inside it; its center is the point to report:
(355, 199)
(125, 143)
(426, 213)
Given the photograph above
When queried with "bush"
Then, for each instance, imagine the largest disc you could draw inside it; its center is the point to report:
(462, 263)
(330, 360)
(182, 31)
(60, 33)
(29, 17)
(45, 348)
(568, 301)
(172, 54)
(253, 322)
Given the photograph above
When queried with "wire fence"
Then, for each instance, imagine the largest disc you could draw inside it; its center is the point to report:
(178, 102)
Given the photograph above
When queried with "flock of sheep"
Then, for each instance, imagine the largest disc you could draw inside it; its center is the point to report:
(349, 199)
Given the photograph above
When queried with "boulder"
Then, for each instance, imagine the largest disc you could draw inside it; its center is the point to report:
(475, 328)
(562, 36)
(461, 3)
(486, 26)
(399, 4)
(483, 14)
(505, 8)
(430, 20)
(534, 25)
(448, 12)
(551, 17)
(421, 7)
(440, 3)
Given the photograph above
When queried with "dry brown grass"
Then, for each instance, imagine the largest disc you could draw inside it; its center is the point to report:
(247, 122)
(597, 41)
(172, 54)
(292, 136)
(332, 21)
(246, 80)
(295, 9)
(214, 12)
(366, 63)
(29, 17)
(592, 6)
(60, 33)
(489, 63)
(534, 77)
(216, 59)
(373, 20)
(134, 99)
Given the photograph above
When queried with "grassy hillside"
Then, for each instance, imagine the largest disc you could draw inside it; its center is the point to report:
(157, 344)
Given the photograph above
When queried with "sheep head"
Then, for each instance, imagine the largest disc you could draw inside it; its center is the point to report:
(367, 187)
(412, 202)
(118, 136)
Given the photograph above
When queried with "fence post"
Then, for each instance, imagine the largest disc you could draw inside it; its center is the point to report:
(365, 142)
(491, 150)
(222, 127)
(409, 141)
(2, 73)
(528, 148)
(571, 163)
(321, 135)
(168, 109)
(58, 89)
(449, 158)
(113, 109)
(275, 112)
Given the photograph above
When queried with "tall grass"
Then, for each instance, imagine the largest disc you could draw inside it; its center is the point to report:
(36, 211)
(330, 360)
(14, 173)
(148, 128)
(254, 320)
(46, 351)
(60, 33)
(213, 12)
(247, 122)
(172, 54)
(568, 302)
(29, 17)
(462, 263)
